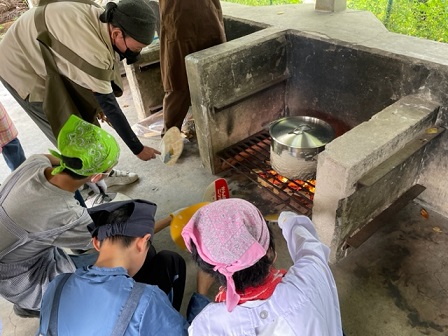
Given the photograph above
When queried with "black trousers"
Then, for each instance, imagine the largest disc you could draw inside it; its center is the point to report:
(166, 270)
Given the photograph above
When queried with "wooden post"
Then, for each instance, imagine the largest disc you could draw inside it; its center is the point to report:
(32, 3)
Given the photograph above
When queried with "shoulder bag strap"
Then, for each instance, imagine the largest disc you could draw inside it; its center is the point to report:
(128, 311)
(53, 322)
(47, 54)
(47, 39)
(87, 2)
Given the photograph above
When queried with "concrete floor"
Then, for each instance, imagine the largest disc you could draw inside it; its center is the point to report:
(394, 284)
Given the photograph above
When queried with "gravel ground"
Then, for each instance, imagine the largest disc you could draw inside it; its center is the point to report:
(9, 11)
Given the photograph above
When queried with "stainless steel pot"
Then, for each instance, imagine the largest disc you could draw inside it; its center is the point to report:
(295, 143)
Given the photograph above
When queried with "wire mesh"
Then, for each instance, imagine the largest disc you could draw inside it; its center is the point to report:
(251, 157)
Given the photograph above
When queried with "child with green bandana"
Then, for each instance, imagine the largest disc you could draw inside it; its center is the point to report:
(40, 217)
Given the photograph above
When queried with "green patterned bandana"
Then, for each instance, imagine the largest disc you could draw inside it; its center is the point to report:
(97, 149)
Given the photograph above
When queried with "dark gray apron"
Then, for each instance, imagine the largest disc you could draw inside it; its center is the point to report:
(63, 97)
(24, 281)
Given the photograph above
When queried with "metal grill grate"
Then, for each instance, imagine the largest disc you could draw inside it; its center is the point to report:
(251, 157)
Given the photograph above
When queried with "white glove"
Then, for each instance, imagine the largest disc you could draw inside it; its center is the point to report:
(284, 216)
(99, 187)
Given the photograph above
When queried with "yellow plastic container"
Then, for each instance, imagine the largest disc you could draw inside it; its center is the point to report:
(180, 220)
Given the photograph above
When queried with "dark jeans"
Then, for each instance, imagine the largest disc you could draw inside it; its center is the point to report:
(166, 270)
(35, 111)
(195, 306)
(13, 154)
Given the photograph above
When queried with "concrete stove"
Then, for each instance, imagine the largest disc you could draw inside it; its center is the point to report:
(390, 90)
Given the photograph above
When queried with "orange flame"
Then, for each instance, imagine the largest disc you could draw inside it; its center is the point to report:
(296, 185)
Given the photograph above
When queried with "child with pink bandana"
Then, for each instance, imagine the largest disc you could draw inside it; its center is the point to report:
(230, 240)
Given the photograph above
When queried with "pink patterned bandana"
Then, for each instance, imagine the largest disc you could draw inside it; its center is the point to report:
(230, 234)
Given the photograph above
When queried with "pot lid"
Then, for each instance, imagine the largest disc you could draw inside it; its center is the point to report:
(301, 132)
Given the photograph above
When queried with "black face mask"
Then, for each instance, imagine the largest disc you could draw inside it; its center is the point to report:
(129, 55)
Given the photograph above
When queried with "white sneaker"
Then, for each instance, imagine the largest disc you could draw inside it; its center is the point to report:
(97, 199)
(120, 177)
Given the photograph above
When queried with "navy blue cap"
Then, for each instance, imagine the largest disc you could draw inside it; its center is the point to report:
(140, 223)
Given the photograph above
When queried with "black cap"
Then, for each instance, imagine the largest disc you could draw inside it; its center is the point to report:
(139, 223)
(134, 17)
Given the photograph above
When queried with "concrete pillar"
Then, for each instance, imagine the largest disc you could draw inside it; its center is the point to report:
(145, 81)
(331, 5)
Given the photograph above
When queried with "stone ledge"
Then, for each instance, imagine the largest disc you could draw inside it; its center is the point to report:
(348, 158)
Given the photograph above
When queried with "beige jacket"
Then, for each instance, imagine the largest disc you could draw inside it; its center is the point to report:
(78, 27)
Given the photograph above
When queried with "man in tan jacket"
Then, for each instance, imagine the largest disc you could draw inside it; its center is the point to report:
(97, 36)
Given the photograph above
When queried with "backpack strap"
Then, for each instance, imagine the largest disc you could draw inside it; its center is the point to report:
(47, 39)
(53, 322)
(128, 311)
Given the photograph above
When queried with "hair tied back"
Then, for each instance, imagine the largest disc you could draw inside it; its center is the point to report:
(108, 14)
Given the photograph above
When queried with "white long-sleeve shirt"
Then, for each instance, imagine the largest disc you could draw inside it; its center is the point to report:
(304, 303)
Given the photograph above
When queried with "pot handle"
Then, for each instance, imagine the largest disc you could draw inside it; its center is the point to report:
(300, 129)
(311, 157)
(268, 125)
(285, 114)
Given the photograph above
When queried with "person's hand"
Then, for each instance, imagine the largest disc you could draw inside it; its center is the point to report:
(102, 117)
(98, 187)
(284, 216)
(147, 153)
(205, 281)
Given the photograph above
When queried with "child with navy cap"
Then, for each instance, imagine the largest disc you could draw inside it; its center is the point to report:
(105, 299)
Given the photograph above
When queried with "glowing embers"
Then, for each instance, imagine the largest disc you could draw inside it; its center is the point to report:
(307, 187)
(252, 158)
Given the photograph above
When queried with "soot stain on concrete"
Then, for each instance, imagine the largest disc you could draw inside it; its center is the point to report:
(413, 314)
(392, 273)
(361, 272)
(229, 126)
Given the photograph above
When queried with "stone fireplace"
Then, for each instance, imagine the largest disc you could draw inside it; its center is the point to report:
(385, 94)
